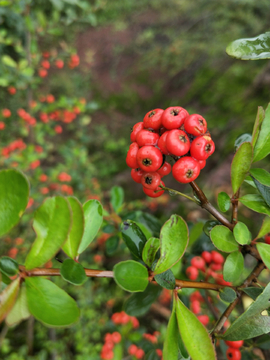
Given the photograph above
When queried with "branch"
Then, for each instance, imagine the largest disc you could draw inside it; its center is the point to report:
(234, 201)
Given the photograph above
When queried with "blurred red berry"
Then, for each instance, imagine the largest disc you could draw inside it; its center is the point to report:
(58, 129)
(12, 90)
(45, 64)
(34, 164)
(192, 272)
(116, 337)
(42, 73)
(59, 63)
(6, 113)
(204, 319)
(2, 125)
(132, 349)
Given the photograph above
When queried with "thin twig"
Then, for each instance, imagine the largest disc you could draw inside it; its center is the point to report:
(234, 201)
(178, 193)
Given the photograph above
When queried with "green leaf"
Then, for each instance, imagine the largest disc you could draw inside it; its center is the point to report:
(8, 266)
(262, 146)
(93, 217)
(240, 165)
(170, 348)
(253, 292)
(131, 276)
(14, 192)
(133, 237)
(256, 203)
(209, 225)
(254, 48)
(139, 303)
(50, 304)
(233, 267)
(263, 190)
(264, 251)
(251, 323)
(224, 201)
(8, 297)
(7, 60)
(194, 335)
(149, 251)
(20, 310)
(242, 234)
(73, 272)
(195, 232)
(149, 221)
(261, 175)
(52, 224)
(173, 243)
(223, 239)
(151, 355)
(257, 125)
(227, 294)
(241, 139)
(72, 244)
(265, 228)
(166, 280)
(117, 198)
(111, 245)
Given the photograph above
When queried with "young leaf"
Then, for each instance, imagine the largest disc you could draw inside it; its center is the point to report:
(166, 280)
(227, 294)
(93, 217)
(265, 228)
(233, 267)
(256, 203)
(262, 146)
(149, 251)
(131, 276)
(133, 237)
(8, 297)
(257, 125)
(241, 233)
(224, 201)
(264, 251)
(251, 323)
(223, 239)
(194, 335)
(170, 348)
(8, 266)
(73, 272)
(50, 304)
(51, 224)
(20, 310)
(117, 198)
(240, 165)
(173, 243)
(71, 246)
(241, 139)
(263, 190)
(14, 192)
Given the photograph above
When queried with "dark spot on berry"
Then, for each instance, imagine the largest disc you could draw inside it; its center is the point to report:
(152, 113)
(147, 162)
(183, 138)
(148, 180)
(189, 173)
(208, 147)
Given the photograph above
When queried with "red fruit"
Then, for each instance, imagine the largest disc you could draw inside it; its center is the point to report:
(131, 158)
(173, 117)
(139, 354)
(267, 238)
(159, 352)
(108, 337)
(46, 54)
(58, 129)
(177, 142)
(215, 267)
(206, 255)
(233, 354)
(195, 306)
(165, 169)
(152, 119)
(44, 190)
(154, 193)
(186, 170)
(146, 137)
(45, 64)
(151, 180)
(136, 175)
(149, 158)
(35, 164)
(12, 90)
(59, 63)
(44, 117)
(162, 143)
(202, 147)
(132, 349)
(201, 163)
(6, 113)
(42, 72)
(234, 344)
(198, 262)
(217, 257)
(2, 125)
(116, 337)
(195, 125)
(204, 319)
(50, 98)
(136, 128)
(192, 273)
(196, 296)
(13, 252)
(43, 178)
(107, 355)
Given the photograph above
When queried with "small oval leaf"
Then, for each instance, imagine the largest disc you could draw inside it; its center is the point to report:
(117, 198)
(227, 294)
(131, 276)
(233, 267)
(223, 239)
(8, 266)
(166, 280)
(20, 310)
(262, 146)
(261, 175)
(242, 234)
(264, 251)
(224, 201)
(73, 272)
(241, 139)
(149, 251)
(209, 225)
(256, 203)
(241, 165)
(265, 228)
(133, 237)
(257, 125)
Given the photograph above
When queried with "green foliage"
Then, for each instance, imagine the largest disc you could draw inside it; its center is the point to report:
(224, 201)
(8, 298)
(166, 280)
(133, 237)
(150, 250)
(227, 294)
(264, 251)
(233, 267)
(20, 310)
(73, 272)
(240, 165)
(223, 239)
(8, 266)
(242, 234)
(131, 276)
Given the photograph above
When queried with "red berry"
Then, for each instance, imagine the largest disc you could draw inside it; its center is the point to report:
(151, 180)
(2, 125)
(132, 349)
(234, 344)
(42, 72)
(131, 158)
(201, 163)
(215, 267)
(202, 147)
(154, 193)
(195, 306)
(12, 90)
(195, 125)
(136, 175)
(116, 337)
(186, 170)
(152, 119)
(267, 238)
(6, 113)
(146, 137)
(149, 158)
(192, 272)
(198, 262)
(173, 117)
(165, 169)
(45, 64)
(58, 129)
(177, 142)
(59, 63)
(206, 255)
(204, 319)
(196, 296)
(136, 128)
(139, 354)
(233, 354)
(162, 143)
(217, 257)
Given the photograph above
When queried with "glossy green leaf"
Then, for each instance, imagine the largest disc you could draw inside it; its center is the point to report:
(242, 234)
(52, 224)
(149, 251)
(170, 347)
(251, 323)
(241, 165)
(233, 267)
(14, 192)
(265, 228)
(133, 237)
(8, 297)
(253, 292)
(261, 175)
(223, 239)
(209, 225)
(224, 201)
(8, 266)
(194, 335)
(256, 203)
(264, 251)
(5, 279)
(166, 280)
(111, 245)
(173, 243)
(241, 139)
(50, 304)
(257, 125)
(254, 48)
(227, 294)
(262, 146)
(195, 232)
(117, 198)
(72, 244)
(148, 220)
(131, 276)
(73, 272)
(93, 217)
(263, 190)
(139, 303)
(20, 310)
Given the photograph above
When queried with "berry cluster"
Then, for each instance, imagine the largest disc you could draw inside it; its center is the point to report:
(171, 132)
(110, 341)
(233, 352)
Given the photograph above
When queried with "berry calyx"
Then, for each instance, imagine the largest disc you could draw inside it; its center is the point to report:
(195, 125)
(186, 170)
(152, 119)
(233, 354)
(177, 142)
(151, 180)
(173, 117)
(149, 158)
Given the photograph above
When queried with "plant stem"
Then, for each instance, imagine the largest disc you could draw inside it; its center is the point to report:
(234, 201)
(179, 193)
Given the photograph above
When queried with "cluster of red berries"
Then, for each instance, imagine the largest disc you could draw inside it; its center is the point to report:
(122, 318)
(233, 352)
(63, 177)
(14, 145)
(45, 64)
(28, 118)
(170, 132)
(110, 341)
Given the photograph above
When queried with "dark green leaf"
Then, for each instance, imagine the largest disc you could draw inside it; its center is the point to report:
(149, 221)
(8, 297)
(5, 279)
(8, 266)
(256, 203)
(264, 251)
(257, 125)
(117, 198)
(241, 234)
(233, 267)
(263, 342)
(224, 201)
(262, 146)
(261, 175)
(131, 276)
(241, 165)
(133, 237)
(265, 228)
(195, 232)
(50, 304)
(227, 294)
(209, 225)
(20, 310)
(73, 272)
(241, 139)
(263, 190)
(152, 355)
(14, 192)
(111, 245)
(170, 348)
(253, 292)
(166, 280)
(149, 251)
(223, 239)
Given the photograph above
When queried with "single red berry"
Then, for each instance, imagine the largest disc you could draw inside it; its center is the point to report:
(139, 354)
(46, 54)
(2, 125)
(217, 257)
(12, 90)
(196, 296)
(136, 175)
(146, 137)
(177, 142)
(132, 349)
(195, 306)
(202, 147)
(162, 143)
(59, 63)
(152, 119)
(204, 319)
(159, 352)
(192, 272)
(267, 238)
(234, 344)
(206, 255)
(195, 125)
(6, 113)
(131, 158)
(201, 163)
(186, 170)
(151, 180)
(233, 354)
(136, 128)
(215, 267)
(45, 64)
(165, 169)
(198, 262)
(154, 193)
(149, 158)
(58, 129)
(173, 117)
(42, 72)
(116, 337)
